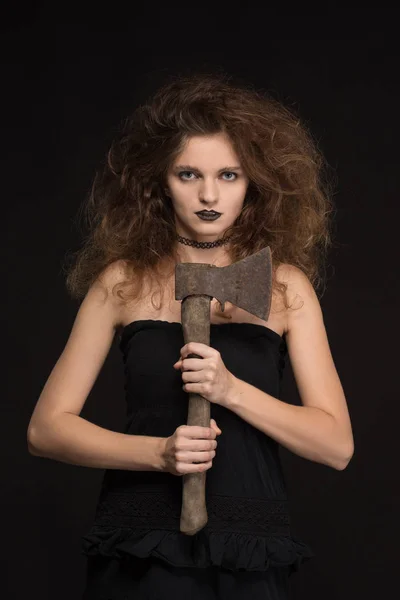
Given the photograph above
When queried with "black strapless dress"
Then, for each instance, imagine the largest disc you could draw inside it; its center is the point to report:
(134, 548)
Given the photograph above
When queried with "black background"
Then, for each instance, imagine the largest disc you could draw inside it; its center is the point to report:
(69, 74)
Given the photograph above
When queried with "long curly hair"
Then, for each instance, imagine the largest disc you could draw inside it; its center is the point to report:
(288, 204)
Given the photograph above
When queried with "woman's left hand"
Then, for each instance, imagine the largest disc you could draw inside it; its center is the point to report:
(206, 376)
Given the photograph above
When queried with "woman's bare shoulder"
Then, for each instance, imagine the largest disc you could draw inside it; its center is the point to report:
(114, 273)
(297, 284)
(293, 277)
(299, 291)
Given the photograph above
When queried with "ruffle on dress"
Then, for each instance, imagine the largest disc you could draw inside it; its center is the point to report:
(233, 551)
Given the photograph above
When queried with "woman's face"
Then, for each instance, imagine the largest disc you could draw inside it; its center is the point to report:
(207, 175)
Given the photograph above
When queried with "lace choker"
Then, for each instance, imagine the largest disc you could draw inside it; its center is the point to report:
(196, 244)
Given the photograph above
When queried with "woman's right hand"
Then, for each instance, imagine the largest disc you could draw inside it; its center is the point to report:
(190, 449)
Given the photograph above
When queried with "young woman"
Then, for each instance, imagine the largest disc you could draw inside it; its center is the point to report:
(200, 144)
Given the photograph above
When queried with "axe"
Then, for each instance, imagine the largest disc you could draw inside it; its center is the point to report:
(246, 284)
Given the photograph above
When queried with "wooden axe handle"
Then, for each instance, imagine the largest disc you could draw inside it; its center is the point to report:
(195, 313)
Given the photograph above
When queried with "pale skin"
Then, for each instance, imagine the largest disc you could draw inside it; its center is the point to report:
(319, 430)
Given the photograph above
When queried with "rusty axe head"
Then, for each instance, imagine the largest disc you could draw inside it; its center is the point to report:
(246, 283)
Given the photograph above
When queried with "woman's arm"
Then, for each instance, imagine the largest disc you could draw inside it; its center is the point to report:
(56, 430)
(320, 430)
(71, 439)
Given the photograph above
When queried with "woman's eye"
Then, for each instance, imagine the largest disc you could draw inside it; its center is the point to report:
(184, 175)
(231, 173)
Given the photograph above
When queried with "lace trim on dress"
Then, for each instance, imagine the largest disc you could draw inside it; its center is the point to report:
(162, 510)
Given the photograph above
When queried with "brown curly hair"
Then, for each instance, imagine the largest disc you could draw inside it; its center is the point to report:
(287, 207)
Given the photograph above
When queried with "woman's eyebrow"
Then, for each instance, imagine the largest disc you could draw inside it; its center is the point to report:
(191, 168)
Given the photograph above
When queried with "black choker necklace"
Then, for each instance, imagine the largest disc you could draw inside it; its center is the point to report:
(188, 242)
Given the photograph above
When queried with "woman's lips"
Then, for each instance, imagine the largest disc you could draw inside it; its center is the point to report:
(208, 217)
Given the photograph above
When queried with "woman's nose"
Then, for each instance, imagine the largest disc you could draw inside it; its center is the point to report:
(208, 191)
